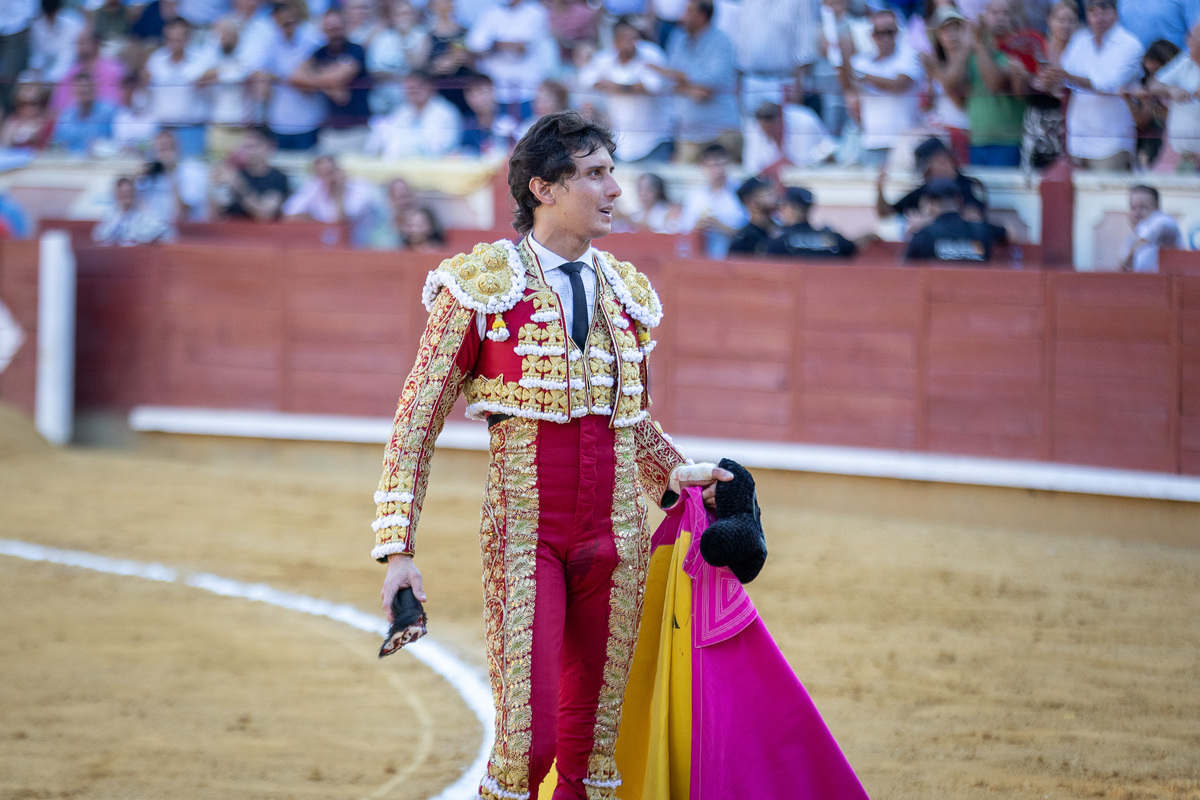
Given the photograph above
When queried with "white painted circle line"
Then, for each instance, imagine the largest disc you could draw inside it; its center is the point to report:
(464, 679)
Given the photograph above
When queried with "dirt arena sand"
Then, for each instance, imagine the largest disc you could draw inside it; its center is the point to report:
(1037, 658)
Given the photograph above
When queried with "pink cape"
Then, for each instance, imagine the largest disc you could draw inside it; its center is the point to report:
(755, 733)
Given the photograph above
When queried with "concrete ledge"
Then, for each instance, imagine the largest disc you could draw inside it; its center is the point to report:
(894, 464)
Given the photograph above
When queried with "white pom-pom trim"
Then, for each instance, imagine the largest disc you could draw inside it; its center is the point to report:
(602, 380)
(630, 391)
(538, 350)
(389, 521)
(597, 353)
(541, 383)
(500, 335)
(633, 356)
(612, 784)
(545, 315)
(650, 317)
(437, 278)
(605, 410)
(492, 786)
(481, 411)
(382, 551)
(393, 497)
(650, 345)
(627, 422)
(620, 322)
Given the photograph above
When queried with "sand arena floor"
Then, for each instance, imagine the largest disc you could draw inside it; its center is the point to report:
(1049, 650)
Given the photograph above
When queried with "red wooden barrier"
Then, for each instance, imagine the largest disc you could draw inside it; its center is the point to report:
(1081, 368)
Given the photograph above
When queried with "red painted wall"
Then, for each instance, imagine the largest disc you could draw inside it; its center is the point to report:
(1097, 369)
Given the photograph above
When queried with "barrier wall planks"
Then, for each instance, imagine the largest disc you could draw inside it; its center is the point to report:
(1099, 369)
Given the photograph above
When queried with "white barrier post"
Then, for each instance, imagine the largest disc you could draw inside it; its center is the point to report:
(54, 405)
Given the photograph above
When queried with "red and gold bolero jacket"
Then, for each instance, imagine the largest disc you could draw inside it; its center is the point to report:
(524, 365)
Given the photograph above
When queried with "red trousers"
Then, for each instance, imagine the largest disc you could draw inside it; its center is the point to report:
(564, 550)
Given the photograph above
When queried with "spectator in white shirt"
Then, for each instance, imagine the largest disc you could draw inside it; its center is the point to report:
(630, 94)
(54, 36)
(178, 101)
(885, 88)
(1178, 85)
(172, 187)
(133, 125)
(427, 125)
(838, 24)
(395, 51)
(255, 29)
(293, 114)
(791, 136)
(776, 43)
(233, 105)
(1099, 62)
(714, 208)
(1152, 231)
(515, 49)
(332, 197)
(127, 224)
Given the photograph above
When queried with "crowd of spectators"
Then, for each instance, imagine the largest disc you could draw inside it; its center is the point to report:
(1114, 84)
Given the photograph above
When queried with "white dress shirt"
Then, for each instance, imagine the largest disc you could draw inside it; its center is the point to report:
(174, 97)
(15, 16)
(560, 282)
(1099, 124)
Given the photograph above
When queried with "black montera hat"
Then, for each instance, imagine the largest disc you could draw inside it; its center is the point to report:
(736, 539)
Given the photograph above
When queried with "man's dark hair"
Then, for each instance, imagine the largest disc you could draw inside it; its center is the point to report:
(705, 7)
(714, 150)
(547, 151)
(1150, 190)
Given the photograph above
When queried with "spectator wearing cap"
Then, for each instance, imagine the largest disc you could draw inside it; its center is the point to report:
(775, 42)
(791, 136)
(799, 238)
(630, 93)
(934, 161)
(701, 68)
(993, 87)
(886, 85)
(714, 208)
(1151, 20)
(293, 113)
(950, 39)
(86, 121)
(760, 199)
(950, 237)
(1098, 63)
(1152, 231)
(1178, 86)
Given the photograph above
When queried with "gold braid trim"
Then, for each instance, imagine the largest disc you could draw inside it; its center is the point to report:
(428, 395)
(624, 616)
(508, 540)
(656, 458)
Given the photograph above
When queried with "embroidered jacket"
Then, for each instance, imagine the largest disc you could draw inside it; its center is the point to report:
(539, 373)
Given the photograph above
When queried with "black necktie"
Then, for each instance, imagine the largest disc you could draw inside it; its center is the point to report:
(579, 309)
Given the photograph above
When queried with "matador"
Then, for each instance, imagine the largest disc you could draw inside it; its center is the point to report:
(548, 338)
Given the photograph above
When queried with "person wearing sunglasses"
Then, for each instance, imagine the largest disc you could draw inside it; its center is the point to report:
(883, 88)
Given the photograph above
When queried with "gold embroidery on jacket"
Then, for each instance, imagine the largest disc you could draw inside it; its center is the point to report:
(508, 540)
(427, 397)
(632, 539)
